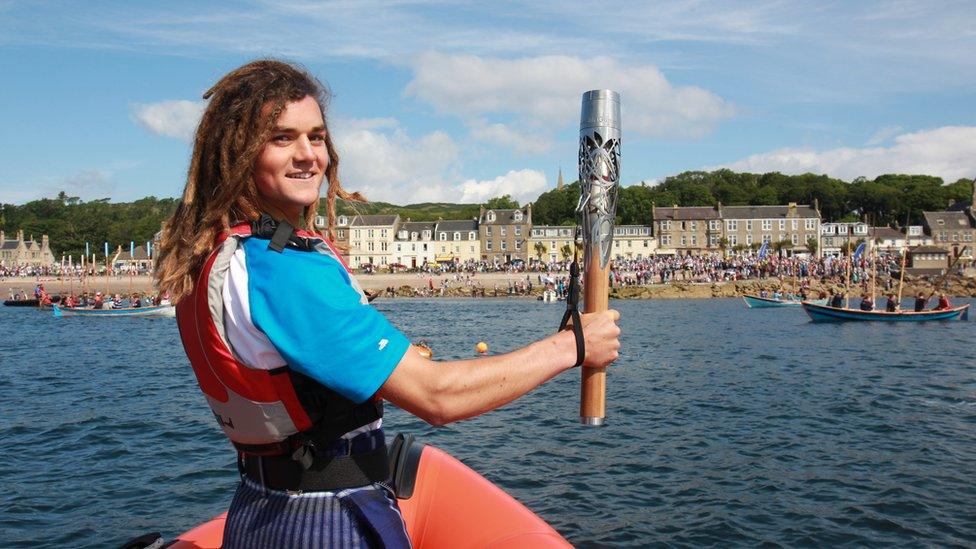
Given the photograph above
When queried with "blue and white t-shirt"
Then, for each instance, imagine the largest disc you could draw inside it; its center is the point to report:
(302, 309)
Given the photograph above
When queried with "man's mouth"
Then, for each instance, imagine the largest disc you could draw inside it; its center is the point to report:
(301, 175)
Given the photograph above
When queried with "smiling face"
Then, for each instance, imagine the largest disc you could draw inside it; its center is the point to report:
(288, 173)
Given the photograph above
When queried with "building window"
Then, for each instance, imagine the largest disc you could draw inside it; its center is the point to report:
(488, 245)
(749, 239)
(518, 245)
(795, 223)
(426, 235)
(692, 225)
(471, 236)
(767, 224)
(517, 216)
(457, 235)
(488, 231)
(490, 216)
(442, 236)
(733, 239)
(731, 225)
(684, 240)
(767, 239)
(504, 245)
(782, 224)
(518, 231)
(811, 224)
(694, 239)
(712, 225)
(666, 225)
(502, 231)
(795, 239)
(369, 233)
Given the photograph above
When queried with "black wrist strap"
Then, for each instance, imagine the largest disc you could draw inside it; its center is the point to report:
(572, 312)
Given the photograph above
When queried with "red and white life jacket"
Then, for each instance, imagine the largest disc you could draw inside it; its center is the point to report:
(262, 412)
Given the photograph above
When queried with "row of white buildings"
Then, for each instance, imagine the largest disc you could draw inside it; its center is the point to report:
(503, 236)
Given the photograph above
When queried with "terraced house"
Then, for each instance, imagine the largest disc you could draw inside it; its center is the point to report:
(371, 240)
(687, 230)
(413, 244)
(504, 234)
(696, 230)
(551, 242)
(792, 225)
(457, 240)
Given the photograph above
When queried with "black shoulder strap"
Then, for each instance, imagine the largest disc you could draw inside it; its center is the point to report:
(281, 235)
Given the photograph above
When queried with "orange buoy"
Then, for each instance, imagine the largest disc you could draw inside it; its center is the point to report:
(481, 347)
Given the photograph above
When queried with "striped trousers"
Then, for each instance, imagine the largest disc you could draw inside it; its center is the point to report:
(260, 518)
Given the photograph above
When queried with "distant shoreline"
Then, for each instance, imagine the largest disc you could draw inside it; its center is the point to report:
(409, 285)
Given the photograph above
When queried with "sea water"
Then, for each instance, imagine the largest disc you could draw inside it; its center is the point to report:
(725, 426)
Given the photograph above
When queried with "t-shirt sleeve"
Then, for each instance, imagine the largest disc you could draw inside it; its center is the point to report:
(316, 320)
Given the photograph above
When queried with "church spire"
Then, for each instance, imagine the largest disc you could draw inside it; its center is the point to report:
(559, 182)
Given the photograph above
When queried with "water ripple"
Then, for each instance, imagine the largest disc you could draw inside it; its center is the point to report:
(727, 427)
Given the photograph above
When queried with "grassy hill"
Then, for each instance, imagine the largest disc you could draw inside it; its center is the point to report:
(425, 211)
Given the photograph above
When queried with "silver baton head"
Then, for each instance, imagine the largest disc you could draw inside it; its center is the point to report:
(599, 170)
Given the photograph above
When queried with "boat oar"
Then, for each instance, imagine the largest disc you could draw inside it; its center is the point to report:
(599, 176)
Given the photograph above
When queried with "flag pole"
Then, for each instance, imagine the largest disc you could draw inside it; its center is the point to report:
(599, 176)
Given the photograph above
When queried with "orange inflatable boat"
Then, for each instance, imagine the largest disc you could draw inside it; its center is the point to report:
(447, 505)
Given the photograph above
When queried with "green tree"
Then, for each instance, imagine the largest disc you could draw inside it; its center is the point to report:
(504, 202)
(566, 251)
(540, 250)
(812, 245)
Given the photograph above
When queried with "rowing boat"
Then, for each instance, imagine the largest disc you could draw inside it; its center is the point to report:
(823, 313)
(156, 310)
(756, 302)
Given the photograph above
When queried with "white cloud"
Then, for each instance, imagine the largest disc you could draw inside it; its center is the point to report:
(391, 165)
(544, 92)
(884, 134)
(175, 118)
(948, 152)
(522, 185)
(504, 136)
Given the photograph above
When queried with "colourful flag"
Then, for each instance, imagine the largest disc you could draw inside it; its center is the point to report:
(859, 251)
(132, 249)
(106, 250)
(763, 250)
(87, 251)
(149, 248)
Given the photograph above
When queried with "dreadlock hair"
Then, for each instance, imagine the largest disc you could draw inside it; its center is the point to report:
(243, 109)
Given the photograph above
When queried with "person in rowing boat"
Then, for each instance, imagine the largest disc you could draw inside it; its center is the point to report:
(99, 302)
(943, 303)
(867, 304)
(920, 302)
(892, 304)
(293, 360)
(838, 300)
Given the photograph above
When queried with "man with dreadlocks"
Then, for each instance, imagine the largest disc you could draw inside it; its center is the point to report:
(290, 356)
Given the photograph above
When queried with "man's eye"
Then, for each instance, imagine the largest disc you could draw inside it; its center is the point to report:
(318, 138)
(282, 138)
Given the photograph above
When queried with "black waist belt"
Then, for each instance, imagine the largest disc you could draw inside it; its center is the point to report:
(322, 474)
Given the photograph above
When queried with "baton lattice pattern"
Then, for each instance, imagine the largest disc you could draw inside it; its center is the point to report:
(599, 167)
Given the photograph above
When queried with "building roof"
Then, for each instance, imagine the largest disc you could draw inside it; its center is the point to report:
(9, 245)
(418, 226)
(960, 206)
(927, 250)
(951, 220)
(140, 255)
(505, 217)
(885, 232)
(768, 212)
(465, 227)
(682, 213)
(374, 220)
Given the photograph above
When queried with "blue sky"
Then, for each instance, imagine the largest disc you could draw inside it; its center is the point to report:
(462, 101)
